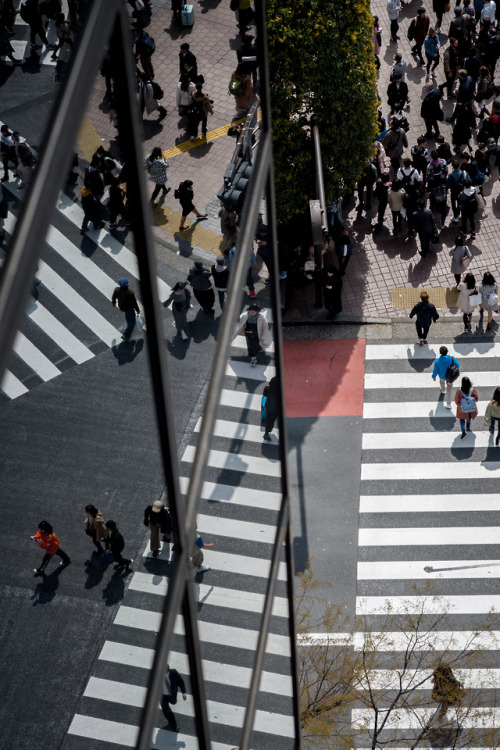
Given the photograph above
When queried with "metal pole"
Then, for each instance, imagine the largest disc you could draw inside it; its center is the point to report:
(318, 219)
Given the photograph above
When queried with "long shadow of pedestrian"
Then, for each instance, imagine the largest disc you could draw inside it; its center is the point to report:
(114, 590)
(87, 246)
(126, 351)
(94, 570)
(177, 347)
(45, 591)
(203, 326)
(492, 459)
(461, 451)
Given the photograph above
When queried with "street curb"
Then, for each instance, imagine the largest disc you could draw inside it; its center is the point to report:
(339, 322)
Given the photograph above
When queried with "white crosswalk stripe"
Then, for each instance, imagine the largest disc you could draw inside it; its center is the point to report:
(427, 536)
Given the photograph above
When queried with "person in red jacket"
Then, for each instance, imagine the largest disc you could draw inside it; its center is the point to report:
(48, 541)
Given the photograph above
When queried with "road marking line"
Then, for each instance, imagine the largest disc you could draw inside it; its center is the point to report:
(222, 674)
(11, 386)
(428, 503)
(428, 536)
(455, 605)
(413, 409)
(460, 351)
(34, 358)
(218, 713)
(445, 470)
(63, 337)
(215, 596)
(227, 493)
(223, 635)
(240, 400)
(238, 431)
(237, 462)
(389, 380)
(424, 440)
(245, 371)
(416, 718)
(397, 570)
(229, 563)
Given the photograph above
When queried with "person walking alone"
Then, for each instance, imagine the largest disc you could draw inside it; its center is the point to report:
(115, 543)
(220, 275)
(393, 10)
(95, 527)
(180, 299)
(441, 367)
(157, 168)
(253, 326)
(461, 257)
(157, 519)
(184, 195)
(492, 414)
(466, 399)
(426, 313)
(172, 683)
(127, 303)
(271, 394)
(48, 541)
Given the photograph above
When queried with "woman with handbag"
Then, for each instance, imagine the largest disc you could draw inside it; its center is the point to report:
(181, 303)
(488, 288)
(466, 399)
(95, 527)
(461, 257)
(468, 299)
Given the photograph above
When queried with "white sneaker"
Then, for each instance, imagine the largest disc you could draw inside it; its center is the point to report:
(202, 568)
(443, 392)
(448, 406)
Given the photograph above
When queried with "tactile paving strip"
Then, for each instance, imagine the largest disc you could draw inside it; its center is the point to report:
(441, 296)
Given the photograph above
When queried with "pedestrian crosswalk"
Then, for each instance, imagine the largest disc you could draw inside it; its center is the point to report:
(22, 49)
(239, 506)
(428, 531)
(68, 316)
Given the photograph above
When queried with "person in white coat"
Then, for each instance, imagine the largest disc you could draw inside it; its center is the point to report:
(467, 287)
(146, 98)
(253, 326)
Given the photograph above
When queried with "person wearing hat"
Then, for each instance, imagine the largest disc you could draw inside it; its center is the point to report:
(127, 303)
(199, 278)
(220, 275)
(419, 26)
(253, 326)
(157, 519)
(180, 299)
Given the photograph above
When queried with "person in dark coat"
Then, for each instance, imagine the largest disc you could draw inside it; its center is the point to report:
(397, 93)
(431, 111)
(187, 62)
(127, 302)
(180, 299)
(185, 195)
(199, 278)
(426, 313)
(332, 291)
(343, 248)
(157, 519)
(424, 224)
(92, 209)
(115, 543)
(172, 683)
(419, 26)
(271, 393)
(220, 275)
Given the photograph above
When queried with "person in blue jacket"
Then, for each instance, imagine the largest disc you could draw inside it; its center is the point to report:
(440, 369)
(426, 313)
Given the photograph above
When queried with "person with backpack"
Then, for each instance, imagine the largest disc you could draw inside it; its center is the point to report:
(431, 111)
(185, 194)
(471, 168)
(461, 257)
(395, 141)
(147, 94)
(411, 182)
(467, 288)
(420, 156)
(455, 183)
(442, 365)
(417, 31)
(466, 399)
(467, 202)
(425, 313)
(202, 106)
(157, 166)
(144, 50)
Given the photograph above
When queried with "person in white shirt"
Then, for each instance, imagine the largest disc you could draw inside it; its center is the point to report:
(488, 11)
(393, 9)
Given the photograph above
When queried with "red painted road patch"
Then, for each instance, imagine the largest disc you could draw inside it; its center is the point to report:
(324, 378)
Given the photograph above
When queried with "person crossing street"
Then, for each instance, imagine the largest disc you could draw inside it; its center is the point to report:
(127, 303)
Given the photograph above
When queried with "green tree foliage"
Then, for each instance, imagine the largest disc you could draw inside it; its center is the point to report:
(321, 63)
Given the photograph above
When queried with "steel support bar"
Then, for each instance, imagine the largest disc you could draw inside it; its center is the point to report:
(320, 195)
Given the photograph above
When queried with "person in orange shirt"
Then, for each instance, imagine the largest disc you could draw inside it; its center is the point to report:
(48, 541)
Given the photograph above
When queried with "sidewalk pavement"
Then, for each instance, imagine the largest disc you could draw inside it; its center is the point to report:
(386, 273)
